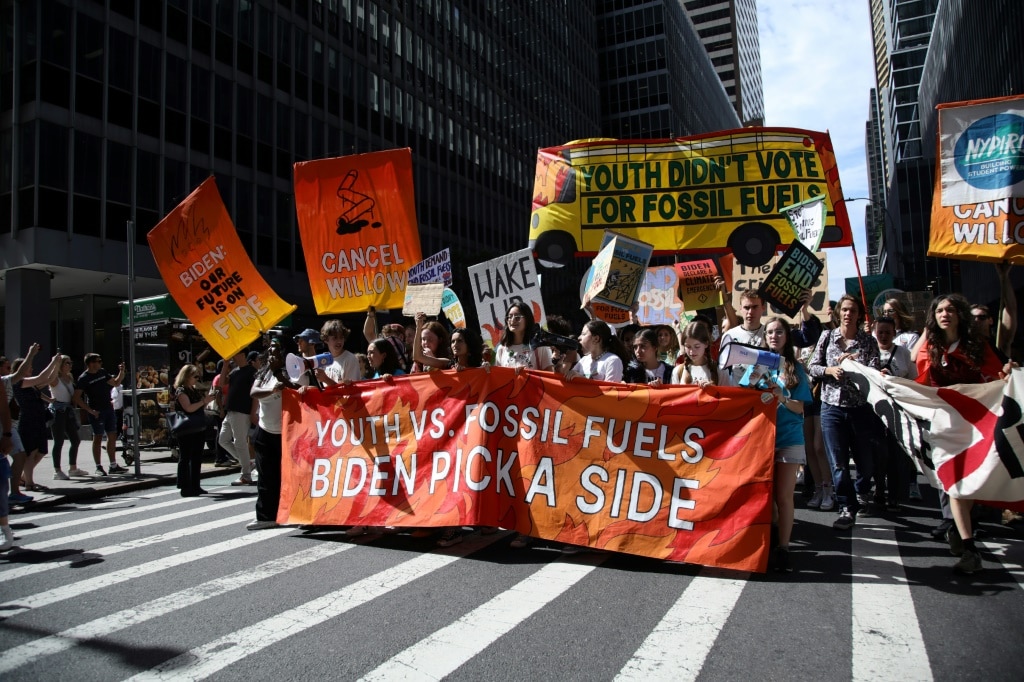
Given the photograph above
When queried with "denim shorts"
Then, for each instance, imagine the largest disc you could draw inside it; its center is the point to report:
(791, 454)
(104, 423)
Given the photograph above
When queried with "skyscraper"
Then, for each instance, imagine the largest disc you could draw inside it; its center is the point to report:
(728, 31)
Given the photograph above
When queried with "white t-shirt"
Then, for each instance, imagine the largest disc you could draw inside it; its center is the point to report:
(698, 374)
(270, 406)
(906, 339)
(344, 368)
(731, 376)
(898, 362)
(520, 355)
(608, 367)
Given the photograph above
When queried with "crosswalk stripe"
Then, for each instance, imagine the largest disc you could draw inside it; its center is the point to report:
(700, 613)
(205, 660)
(446, 650)
(998, 550)
(134, 525)
(14, 607)
(102, 552)
(48, 515)
(887, 641)
(115, 622)
(117, 514)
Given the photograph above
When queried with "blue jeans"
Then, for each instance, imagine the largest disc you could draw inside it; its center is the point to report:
(850, 431)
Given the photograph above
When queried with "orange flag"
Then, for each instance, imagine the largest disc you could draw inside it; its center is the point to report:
(209, 274)
(357, 220)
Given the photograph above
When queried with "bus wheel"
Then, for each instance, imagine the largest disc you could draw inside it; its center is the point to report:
(555, 249)
(754, 244)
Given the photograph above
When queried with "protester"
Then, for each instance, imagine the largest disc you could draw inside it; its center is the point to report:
(820, 479)
(6, 444)
(603, 354)
(345, 367)
(307, 341)
(92, 394)
(563, 358)
(906, 335)
(953, 352)
(892, 467)
(215, 415)
(750, 332)
(383, 359)
(791, 395)
(646, 368)
(513, 344)
(65, 421)
(234, 430)
(668, 344)
(17, 450)
(430, 345)
(268, 385)
(697, 367)
(399, 335)
(848, 423)
(188, 399)
(33, 415)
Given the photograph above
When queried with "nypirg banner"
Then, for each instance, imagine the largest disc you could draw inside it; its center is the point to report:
(677, 473)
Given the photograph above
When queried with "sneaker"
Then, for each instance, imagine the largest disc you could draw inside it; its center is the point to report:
(100, 471)
(223, 464)
(846, 519)
(75, 471)
(969, 562)
(956, 543)
(452, 536)
(260, 525)
(828, 500)
(8, 538)
(59, 475)
(915, 491)
(355, 531)
(939, 531)
(242, 481)
(815, 501)
(780, 559)
(520, 542)
(19, 498)
(116, 468)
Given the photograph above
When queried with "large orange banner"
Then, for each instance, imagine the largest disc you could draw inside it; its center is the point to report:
(209, 274)
(357, 221)
(672, 472)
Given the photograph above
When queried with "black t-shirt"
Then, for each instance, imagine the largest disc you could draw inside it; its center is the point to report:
(96, 389)
(239, 385)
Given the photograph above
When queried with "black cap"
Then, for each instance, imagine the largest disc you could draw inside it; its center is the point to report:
(311, 335)
(253, 356)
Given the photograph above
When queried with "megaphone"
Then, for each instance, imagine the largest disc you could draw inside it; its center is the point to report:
(296, 364)
(542, 337)
(742, 354)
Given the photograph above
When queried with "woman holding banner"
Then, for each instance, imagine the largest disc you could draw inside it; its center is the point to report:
(848, 423)
(646, 368)
(513, 345)
(953, 352)
(603, 354)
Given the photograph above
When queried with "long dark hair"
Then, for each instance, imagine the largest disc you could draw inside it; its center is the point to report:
(789, 376)
(390, 362)
(701, 332)
(970, 341)
(506, 338)
(474, 343)
(609, 342)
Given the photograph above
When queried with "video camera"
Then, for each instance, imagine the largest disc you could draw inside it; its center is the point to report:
(542, 337)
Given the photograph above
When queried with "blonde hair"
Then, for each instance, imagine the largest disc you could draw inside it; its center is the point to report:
(184, 373)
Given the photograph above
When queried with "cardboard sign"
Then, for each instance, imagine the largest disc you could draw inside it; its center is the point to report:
(742, 278)
(500, 282)
(807, 219)
(697, 288)
(659, 297)
(357, 221)
(618, 271)
(423, 298)
(210, 275)
(436, 268)
(794, 273)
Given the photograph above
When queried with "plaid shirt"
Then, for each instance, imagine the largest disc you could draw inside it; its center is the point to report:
(832, 344)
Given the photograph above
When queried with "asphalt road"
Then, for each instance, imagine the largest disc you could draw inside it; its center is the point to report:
(149, 585)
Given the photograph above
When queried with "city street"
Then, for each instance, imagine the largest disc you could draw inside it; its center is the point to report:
(150, 585)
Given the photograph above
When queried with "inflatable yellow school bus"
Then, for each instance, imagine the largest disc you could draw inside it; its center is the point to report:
(703, 194)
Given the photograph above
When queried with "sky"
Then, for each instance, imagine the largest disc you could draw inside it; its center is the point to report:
(817, 69)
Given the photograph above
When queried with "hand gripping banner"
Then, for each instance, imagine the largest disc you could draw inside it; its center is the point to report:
(674, 472)
(210, 275)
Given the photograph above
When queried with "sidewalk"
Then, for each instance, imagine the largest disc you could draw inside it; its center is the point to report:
(157, 468)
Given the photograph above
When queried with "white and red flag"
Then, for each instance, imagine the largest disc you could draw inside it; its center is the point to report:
(968, 439)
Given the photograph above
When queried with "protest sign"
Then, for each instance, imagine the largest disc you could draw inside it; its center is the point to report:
(740, 278)
(981, 150)
(423, 298)
(795, 272)
(500, 282)
(210, 275)
(807, 219)
(618, 271)
(659, 297)
(680, 473)
(451, 306)
(357, 221)
(697, 288)
(436, 268)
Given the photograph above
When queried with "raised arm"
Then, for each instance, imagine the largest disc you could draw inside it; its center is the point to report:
(1008, 315)
(116, 381)
(370, 325)
(417, 346)
(43, 378)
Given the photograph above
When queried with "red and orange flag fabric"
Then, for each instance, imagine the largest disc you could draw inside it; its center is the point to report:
(357, 221)
(210, 275)
(672, 472)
